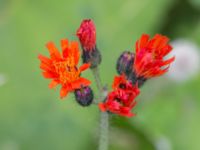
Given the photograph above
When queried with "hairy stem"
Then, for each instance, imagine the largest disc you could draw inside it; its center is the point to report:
(104, 117)
(104, 131)
(97, 78)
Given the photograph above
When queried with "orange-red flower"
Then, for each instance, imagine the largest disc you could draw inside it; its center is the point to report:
(120, 82)
(62, 67)
(122, 99)
(149, 58)
(87, 34)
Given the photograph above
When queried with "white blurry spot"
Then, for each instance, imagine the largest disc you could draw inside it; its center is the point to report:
(3, 79)
(163, 143)
(9, 145)
(187, 62)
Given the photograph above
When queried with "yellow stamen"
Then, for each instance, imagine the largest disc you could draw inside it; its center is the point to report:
(67, 70)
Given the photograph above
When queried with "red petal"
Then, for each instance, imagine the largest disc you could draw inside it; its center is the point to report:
(126, 111)
(63, 92)
(84, 67)
(163, 41)
(65, 47)
(54, 53)
(48, 75)
(75, 51)
(44, 59)
(102, 107)
(45, 67)
(158, 42)
(165, 50)
(80, 82)
(118, 80)
(53, 84)
(143, 40)
(84, 81)
(166, 62)
(76, 85)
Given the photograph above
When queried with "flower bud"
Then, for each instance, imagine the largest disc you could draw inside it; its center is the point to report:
(93, 57)
(87, 37)
(125, 63)
(84, 96)
(87, 34)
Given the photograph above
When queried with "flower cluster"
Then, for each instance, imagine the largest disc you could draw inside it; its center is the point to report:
(122, 99)
(148, 60)
(133, 68)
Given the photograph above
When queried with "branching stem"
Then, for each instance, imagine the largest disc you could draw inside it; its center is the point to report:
(104, 116)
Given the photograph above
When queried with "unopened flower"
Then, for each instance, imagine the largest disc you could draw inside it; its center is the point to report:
(84, 96)
(87, 34)
(87, 37)
(125, 63)
(149, 57)
(62, 67)
(122, 99)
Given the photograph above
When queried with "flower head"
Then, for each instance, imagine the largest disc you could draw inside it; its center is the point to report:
(62, 68)
(87, 34)
(122, 99)
(87, 37)
(84, 96)
(120, 82)
(125, 63)
(149, 58)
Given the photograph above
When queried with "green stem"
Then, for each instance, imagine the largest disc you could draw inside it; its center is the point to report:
(97, 78)
(104, 116)
(104, 131)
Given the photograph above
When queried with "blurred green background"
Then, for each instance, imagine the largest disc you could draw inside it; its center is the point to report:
(32, 117)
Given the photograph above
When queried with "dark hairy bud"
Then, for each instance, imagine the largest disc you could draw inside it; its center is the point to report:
(125, 63)
(92, 56)
(84, 96)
